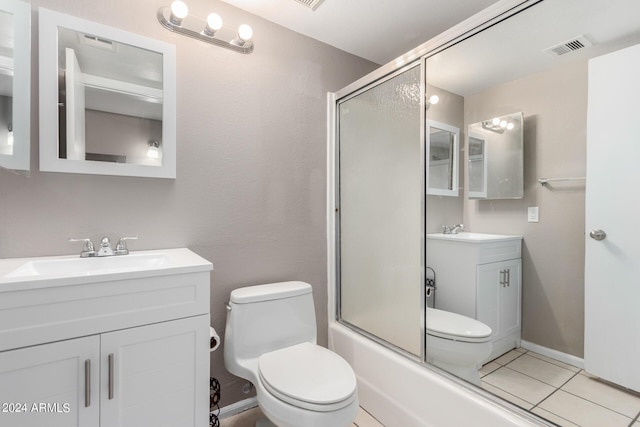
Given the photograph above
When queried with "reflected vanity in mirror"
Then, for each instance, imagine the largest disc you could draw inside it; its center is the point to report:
(107, 100)
(442, 152)
(496, 158)
(15, 83)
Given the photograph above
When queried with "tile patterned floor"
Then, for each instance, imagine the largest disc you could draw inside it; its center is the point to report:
(559, 392)
(249, 418)
(554, 390)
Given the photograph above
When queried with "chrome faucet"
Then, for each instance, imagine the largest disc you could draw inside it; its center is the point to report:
(452, 230)
(89, 251)
(456, 228)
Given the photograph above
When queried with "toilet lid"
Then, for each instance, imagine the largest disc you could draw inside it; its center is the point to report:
(456, 327)
(307, 375)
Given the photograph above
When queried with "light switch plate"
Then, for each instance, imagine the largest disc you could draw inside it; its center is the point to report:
(533, 214)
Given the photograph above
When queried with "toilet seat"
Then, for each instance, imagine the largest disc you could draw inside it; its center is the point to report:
(456, 327)
(308, 376)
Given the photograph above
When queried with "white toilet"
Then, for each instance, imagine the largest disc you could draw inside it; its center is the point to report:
(457, 344)
(270, 340)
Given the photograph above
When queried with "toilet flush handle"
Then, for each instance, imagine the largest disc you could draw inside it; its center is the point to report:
(226, 304)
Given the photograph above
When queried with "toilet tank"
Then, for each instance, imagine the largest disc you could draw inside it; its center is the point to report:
(265, 318)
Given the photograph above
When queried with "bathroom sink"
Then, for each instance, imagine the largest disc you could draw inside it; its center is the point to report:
(90, 266)
(473, 237)
(71, 269)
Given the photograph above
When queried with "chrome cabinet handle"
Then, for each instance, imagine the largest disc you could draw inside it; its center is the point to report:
(508, 277)
(110, 376)
(502, 278)
(598, 234)
(87, 383)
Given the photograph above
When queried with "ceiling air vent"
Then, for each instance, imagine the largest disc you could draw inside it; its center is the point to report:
(312, 4)
(568, 46)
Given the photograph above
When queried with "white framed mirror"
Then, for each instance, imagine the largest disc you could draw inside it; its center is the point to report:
(442, 151)
(496, 158)
(15, 84)
(107, 100)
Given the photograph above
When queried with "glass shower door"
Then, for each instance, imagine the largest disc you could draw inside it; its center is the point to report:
(381, 211)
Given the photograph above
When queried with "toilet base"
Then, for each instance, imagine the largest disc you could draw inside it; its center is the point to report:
(264, 422)
(470, 374)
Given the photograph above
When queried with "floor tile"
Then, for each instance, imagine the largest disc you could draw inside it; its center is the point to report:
(604, 395)
(506, 396)
(520, 385)
(541, 370)
(553, 418)
(488, 368)
(554, 361)
(244, 419)
(365, 419)
(520, 350)
(582, 412)
(508, 357)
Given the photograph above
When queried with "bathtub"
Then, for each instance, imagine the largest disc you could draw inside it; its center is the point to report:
(402, 393)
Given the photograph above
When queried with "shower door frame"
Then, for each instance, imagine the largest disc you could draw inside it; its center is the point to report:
(487, 18)
(337, 315)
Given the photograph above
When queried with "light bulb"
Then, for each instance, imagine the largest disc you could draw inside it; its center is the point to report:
(153, 152)
(245, 33)
(503, 124)
(214, 22)
(179, 11)
(510, 126)
(434, 99)
(495, 121)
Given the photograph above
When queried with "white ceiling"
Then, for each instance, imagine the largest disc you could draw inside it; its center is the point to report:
(377, 30)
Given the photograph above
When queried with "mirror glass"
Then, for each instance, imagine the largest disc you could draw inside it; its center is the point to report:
(496, 158)
(15, 81)
(115, 110)
(442, 146)
(536, 62)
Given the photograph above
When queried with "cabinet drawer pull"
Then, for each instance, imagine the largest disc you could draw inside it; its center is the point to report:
(508, 274)
(503, 278)
(110, 376)
(87, 383)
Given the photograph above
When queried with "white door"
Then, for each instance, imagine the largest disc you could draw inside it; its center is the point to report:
(53, 385)
(612, 264)
(156, 375)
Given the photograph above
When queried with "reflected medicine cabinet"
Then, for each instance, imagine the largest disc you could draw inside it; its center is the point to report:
(442, 152)
(107, 100)
(15, 84)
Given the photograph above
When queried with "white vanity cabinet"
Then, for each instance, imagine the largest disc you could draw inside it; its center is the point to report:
(110, 349)
(480, 276)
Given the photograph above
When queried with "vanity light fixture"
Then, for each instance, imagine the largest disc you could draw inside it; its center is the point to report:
(176, 18)
(498, 124)
(10, 135)
(432, 100)
(154, 149)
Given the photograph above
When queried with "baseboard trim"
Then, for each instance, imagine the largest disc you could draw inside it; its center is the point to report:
(554, 354)
(236, 408)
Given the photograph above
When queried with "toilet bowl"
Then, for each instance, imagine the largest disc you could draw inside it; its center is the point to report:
(457, 344)
(270, 340)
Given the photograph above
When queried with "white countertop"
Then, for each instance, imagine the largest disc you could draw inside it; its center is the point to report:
(40, 272)
(467, 237)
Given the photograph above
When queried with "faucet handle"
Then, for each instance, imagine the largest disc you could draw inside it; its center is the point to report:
(88, 249)
(121, 246)
(447, 229)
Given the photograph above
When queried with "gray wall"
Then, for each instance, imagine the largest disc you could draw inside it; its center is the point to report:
(250, 190)
(555, 113)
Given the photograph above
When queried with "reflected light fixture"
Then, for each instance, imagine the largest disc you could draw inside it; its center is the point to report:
(10, 135)
(432, 100)
(498, 124)
(176, 18)
(154, 149)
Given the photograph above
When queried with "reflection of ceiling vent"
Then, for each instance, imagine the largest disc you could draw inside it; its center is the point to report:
(312, 4)
(569, 46)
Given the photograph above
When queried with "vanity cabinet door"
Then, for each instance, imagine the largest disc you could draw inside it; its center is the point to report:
(46, 385)
(156, 375)
(498, 297)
